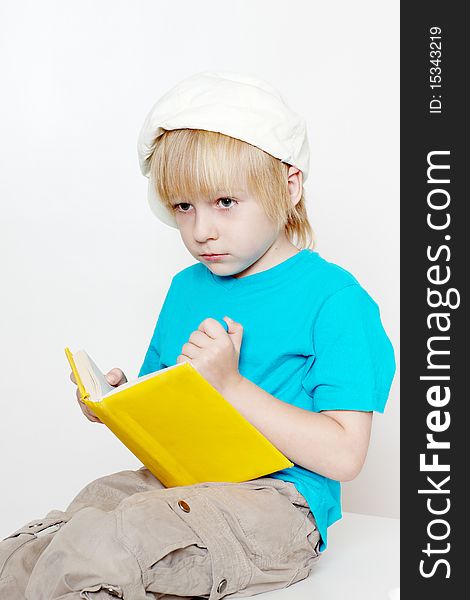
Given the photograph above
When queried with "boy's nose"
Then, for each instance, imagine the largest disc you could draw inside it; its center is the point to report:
(204, 229)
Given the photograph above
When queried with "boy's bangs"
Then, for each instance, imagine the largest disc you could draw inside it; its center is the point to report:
(188, 164)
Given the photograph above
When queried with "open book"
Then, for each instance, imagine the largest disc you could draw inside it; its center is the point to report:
(178, 425)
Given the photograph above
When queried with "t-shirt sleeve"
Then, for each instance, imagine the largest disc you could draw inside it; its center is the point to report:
(354, 363)
(152, 360)
(152, 356)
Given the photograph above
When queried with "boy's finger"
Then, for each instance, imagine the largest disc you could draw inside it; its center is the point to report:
(89, 414)
(114, 376)
(72, 377)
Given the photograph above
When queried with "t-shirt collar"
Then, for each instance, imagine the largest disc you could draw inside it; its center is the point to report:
(262, 277)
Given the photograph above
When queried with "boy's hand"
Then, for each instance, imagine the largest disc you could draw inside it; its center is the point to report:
(115, 377)
(215, 353)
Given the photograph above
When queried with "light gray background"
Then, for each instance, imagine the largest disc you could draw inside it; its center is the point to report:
(84, 262)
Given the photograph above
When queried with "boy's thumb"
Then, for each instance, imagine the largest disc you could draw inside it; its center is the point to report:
(112, 377)
(235, 330)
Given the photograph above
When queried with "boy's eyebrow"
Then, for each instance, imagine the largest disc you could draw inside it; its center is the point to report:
(239, 192)
(219, 194)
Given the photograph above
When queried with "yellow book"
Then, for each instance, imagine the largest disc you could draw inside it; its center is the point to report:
(178, 425)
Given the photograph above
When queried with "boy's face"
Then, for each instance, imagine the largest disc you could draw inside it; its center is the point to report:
(235, 228)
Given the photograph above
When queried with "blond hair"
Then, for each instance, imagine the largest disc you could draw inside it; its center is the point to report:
(190, 163)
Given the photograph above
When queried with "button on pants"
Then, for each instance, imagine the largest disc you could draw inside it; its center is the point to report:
(127, 536)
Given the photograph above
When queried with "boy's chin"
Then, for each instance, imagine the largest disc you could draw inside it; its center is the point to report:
(224, 270)
(221, 270)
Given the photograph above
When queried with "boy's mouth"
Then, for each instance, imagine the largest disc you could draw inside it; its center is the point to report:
(213, 256)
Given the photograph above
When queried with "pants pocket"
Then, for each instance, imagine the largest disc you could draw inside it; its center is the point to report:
(265, 521)
(276, 538)
(173, 559)
(150, 528)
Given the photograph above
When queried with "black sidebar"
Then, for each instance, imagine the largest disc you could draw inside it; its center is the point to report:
(435, 267)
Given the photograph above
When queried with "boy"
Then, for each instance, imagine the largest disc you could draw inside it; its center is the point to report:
(292, 341)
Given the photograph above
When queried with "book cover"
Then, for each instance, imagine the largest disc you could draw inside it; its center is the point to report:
(178, 425)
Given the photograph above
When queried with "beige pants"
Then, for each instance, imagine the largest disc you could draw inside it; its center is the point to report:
(127, 536)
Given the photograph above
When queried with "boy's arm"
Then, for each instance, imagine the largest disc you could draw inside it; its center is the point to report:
(332, 443)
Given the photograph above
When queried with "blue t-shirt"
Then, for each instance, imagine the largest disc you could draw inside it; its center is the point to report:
(312, 337)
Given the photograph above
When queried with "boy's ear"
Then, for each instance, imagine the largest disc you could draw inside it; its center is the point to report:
(294, 184)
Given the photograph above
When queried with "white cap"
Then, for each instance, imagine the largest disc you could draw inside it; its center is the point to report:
(237, 105)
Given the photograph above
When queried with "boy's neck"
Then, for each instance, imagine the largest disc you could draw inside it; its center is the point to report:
(278, 252)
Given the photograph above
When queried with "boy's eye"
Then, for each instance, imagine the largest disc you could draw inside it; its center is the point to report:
(184, 206)
(223, 200)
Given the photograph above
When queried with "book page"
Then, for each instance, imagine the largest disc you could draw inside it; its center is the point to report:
(139, 379)
(93, 378)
